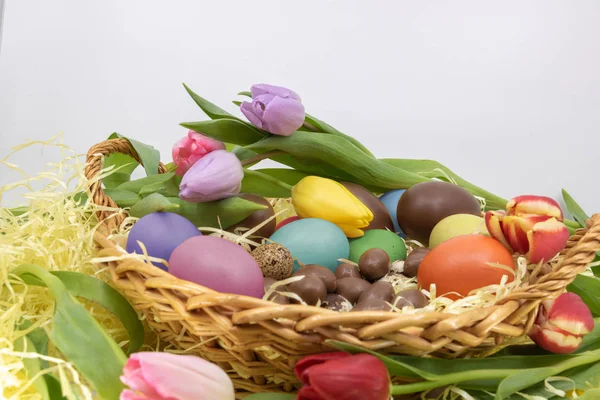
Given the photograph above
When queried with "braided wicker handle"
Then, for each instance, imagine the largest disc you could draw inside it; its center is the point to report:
(94, 165)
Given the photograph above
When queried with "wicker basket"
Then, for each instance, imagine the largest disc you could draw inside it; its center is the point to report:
(258, 342)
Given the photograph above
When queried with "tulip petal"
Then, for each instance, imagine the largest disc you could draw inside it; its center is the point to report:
(539, 205)
(493, 223)
(263, 88)
(283, 116)
(315, 359)
(127, 394)
(251, 112)
(546, 240)
(308, 393)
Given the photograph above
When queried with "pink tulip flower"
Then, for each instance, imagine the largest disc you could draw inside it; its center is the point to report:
(166, 376)
(191, 148)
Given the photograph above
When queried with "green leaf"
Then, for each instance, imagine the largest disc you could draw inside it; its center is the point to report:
(264, 185)
(587, 288)
(93, 289)
(591, 394)
(54, 388)
(287, 175)
(155, 202)
(574, 208)
(78, 336)
(32, 366)
(170, 187)
(581, 378)
(137, 185)
(124, 166)
(326, 128)
(149, 156)
(211, 110)
(271, 396)
(245, 93)
(227, 130)
(123, 198)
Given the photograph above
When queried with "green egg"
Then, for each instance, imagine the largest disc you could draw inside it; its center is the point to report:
(382, 239)
(456, 225)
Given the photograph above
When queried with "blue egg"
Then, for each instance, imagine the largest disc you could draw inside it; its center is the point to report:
(313, 241)
(160, 233)
(390, 200)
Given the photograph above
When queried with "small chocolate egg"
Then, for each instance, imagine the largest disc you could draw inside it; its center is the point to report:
(372, 305)
(413, 260)
(347, 271)
(410, 297)
(274, 260)
(378, 290)
(311, 289)
(334, 302)
(320, 272)
(275, 297)
(268, 283)
(425, 204)
(351, 288)
(381, 215)
(374, 264)
(279, 299)
(257, 218)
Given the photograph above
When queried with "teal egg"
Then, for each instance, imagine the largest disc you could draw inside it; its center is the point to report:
(382, 239)
(313, 241)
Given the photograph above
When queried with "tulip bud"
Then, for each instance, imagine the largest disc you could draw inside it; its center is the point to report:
(531, 226)
(561, 324)
(191, 148)
(215, 176)
(316, 197)
(165, 376)
(274, 109)
(338, 375)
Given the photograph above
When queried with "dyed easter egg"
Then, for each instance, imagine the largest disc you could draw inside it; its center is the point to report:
(390, 201)
(456, 225)
(160, 233)
(217, 264)
(378, 239)
(313, 241)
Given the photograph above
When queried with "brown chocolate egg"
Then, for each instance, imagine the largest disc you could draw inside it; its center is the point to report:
(378, 290)
(351, 288)
(413, 260)
(257, 217)
(374, 264)
(276, 297)
(320, 272)
(425, 204)
(372, 305)
(381, 215)
(334, 302)
(347, 271)
(311, 289)
(410, 297)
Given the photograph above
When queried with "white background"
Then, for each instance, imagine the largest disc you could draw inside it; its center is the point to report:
(507, 93)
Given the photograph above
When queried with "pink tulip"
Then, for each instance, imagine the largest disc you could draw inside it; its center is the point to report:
(166, 376)
(191, 148)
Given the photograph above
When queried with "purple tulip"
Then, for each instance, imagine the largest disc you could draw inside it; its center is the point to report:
(274, 109)
(215, 176)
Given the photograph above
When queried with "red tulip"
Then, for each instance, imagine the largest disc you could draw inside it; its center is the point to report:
(343, 376)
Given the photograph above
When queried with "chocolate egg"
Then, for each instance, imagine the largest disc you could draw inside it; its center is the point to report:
(351, 288)
(374, 264)
(320, 272)
(311, 289)
(334, 302)
(257, 218)
(411, 297)
(372, 305)
(378, 290)
(413, 260)
(274, 260)
(381, 215)
(347, 271)
(276, 297)
(425, 204)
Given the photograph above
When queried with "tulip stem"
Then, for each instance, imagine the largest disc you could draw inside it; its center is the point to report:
(262, 156)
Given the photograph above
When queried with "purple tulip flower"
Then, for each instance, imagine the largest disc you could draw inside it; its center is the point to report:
(215, 176)
(274, 109)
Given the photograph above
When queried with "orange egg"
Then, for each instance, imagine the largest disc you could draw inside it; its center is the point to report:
(465, 263)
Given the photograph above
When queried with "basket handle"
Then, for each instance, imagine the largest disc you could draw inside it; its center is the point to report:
(94, 164)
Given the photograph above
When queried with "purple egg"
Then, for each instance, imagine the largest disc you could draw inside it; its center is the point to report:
(160, 233)
(218, 264)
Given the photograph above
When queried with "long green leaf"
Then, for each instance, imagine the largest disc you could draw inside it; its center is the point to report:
(326, 128)
(590, 394)
(125, 164)
(93, 289)
(32, 365)
(149, 156)
(137, 185)
(287, 175)
(54, 388)
(78, 336)
(588, 288)
(227, 130)
(581, 378)
(575, 209)
(155, 202)
(264, 185)
(211, 110)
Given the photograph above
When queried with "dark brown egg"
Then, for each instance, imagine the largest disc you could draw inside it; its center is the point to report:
(334, 302)
(351, 288)
(410, 297)
(311, 289)
(425, 204)
(413, 260)
(374, 264)
(276, 297)
(372, 305)
(320, 272)
(257, 217)
(347, 271)
(378, 290)
(381, 215)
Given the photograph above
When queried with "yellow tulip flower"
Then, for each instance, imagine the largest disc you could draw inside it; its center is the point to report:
(316, 197)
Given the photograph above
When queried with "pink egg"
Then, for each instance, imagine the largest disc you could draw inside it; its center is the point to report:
(218, 264)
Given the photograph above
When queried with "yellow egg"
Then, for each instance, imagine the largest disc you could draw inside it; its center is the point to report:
(456, 225)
